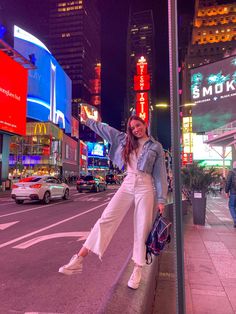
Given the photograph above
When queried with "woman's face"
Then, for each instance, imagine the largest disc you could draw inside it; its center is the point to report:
(138, 128)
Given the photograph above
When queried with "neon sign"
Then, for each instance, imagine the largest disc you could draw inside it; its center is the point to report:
(142, 86)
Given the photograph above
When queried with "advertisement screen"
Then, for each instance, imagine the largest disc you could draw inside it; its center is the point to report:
(49, 88)
(96, 149)
(13, 92)
(74, 127)
(213, 90)
(91, 111)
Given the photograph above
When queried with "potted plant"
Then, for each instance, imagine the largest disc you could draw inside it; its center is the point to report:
(198, 180)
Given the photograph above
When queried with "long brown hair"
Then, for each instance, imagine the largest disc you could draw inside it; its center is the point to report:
(131, 140)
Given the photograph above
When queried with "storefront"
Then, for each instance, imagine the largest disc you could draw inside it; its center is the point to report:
(39, 152)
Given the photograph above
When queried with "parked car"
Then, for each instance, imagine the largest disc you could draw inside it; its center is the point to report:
(43, 188)
(91, 183)
(112, 179)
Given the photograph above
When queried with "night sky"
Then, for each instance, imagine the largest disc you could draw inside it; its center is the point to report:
(115, 13)
(30, 15)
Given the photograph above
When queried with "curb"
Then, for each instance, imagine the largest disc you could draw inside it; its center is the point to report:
(125, 300)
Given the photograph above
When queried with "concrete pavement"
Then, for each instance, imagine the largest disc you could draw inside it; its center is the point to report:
(210, 261)
(210, 265)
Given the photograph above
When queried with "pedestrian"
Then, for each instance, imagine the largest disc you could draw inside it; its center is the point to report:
(230, 190)
(144, 160)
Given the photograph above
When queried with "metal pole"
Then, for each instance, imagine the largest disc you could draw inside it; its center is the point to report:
(175, 142)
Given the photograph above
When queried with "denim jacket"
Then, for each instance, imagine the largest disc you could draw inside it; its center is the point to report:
(151, 159)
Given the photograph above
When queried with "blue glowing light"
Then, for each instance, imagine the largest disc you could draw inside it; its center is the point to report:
(49, 88)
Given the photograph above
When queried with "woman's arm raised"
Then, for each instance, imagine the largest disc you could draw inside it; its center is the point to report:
(107, 132)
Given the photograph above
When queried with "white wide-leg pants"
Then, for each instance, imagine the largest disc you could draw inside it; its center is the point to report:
(136, 189)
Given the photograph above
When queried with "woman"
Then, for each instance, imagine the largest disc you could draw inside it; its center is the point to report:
(144, 161)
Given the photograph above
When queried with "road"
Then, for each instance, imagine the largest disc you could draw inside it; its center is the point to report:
(37, 239)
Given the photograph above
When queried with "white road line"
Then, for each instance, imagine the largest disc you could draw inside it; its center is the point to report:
(42, 313)
(80, 235)
(28, 210)
(51, 226)
(7, 225)
(33, 208)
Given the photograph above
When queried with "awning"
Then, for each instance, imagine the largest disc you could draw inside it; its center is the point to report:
(224, 139)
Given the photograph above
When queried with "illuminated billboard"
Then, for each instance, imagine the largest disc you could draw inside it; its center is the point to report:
(213, 90)
(95, 86)
(13, 92)
(96, 149)
(142, 105)
(142, 86)
(74, 127)
(49, 88)
(83, 160)
(208, 155)
(91, 111)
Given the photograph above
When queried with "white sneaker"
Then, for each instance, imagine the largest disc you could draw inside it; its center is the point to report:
(75, 266)
(135, 278)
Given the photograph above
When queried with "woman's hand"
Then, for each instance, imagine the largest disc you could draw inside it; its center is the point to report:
(161, 208)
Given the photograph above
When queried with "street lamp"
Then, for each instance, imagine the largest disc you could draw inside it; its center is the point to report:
(190, 104)
(162, 105)
(166, 105)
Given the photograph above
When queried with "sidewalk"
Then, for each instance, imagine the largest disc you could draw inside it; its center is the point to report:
(210, 261)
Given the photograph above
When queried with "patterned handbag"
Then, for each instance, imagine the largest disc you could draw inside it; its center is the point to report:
(158, 237)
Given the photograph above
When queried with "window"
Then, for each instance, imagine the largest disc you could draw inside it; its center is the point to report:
(75, 154)
(67, 151)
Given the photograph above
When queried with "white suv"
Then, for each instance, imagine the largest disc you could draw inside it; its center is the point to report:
(42, 188)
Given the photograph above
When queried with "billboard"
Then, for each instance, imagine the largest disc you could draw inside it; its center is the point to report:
(49, 88)
(74, 127)
(141, 86)
(83, 157)
(96, 149)
(13, 92)
(92, 112)
(213, 90)
(142, 105)
(208, 155)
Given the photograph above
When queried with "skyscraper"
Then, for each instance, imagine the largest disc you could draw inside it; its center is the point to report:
(74, 39)
(140, 42)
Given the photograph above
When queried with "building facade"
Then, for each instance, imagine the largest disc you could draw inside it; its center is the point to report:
(213, 37)
(45, 149)
(74, 39)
